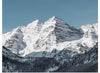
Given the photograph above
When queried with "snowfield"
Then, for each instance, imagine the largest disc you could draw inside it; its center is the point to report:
(50, 46)
(53, 34)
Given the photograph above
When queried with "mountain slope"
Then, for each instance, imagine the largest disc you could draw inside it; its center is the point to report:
(53, 34)
(66, 63)
(50, 46)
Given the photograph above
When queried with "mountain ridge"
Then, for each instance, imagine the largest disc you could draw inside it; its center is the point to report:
(54, 33)
(52, 46)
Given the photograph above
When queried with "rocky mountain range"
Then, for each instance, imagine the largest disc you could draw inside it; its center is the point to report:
(52, 46)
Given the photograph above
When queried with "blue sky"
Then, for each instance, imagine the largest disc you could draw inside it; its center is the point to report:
(74, 12)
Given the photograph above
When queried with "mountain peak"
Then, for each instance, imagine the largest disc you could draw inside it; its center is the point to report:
(34, 24)
(37, 21)
(18, 29)
(44, 37)
(54, 18)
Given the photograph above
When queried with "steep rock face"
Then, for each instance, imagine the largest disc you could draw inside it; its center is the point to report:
(90, 31)
(52, 46)
(37, 39)
(44, 37)
(31, 35)
(90, 34)
(63, 32)
(14, 41)
(55, 31)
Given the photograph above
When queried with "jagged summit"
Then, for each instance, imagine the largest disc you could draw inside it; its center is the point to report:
(51, 47)
(55, 20)
(37, 21)
(51, 35)
(34, 24)
(18, 29)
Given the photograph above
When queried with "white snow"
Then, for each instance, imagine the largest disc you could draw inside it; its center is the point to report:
(53, 34)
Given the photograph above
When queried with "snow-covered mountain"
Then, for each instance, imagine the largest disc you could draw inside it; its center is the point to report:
(53, 39)
(53, 34)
